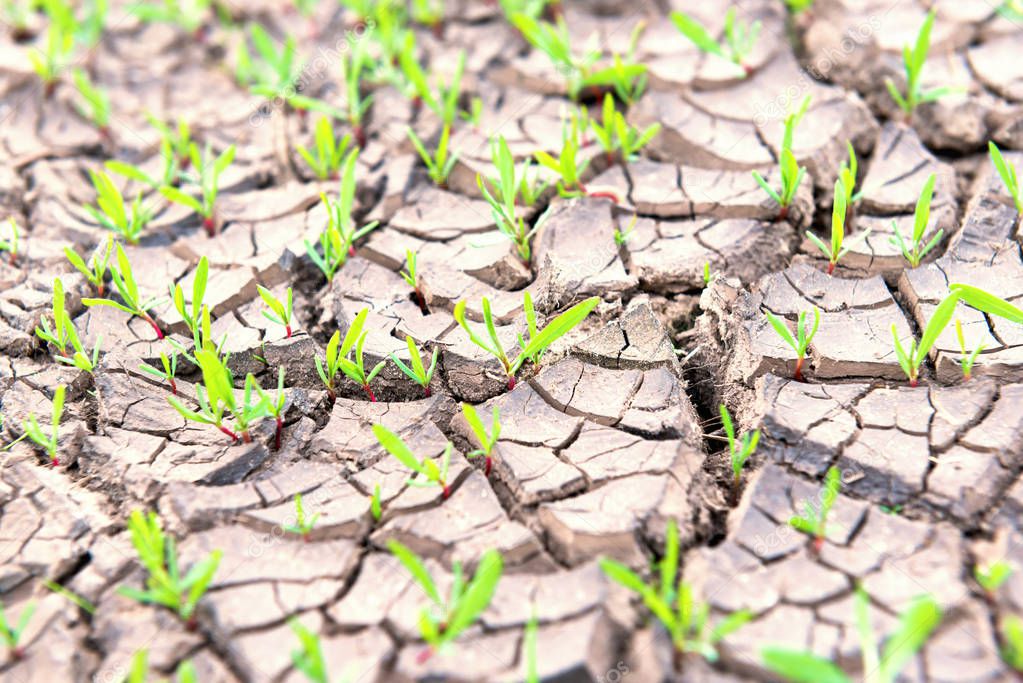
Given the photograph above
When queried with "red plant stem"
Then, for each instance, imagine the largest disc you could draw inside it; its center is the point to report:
(426, 392)
(831, 267)
(225, 430)
(17, 652)
(246, 437)
(351, 250)
(604, 195)
(13, 260)
(913, 382)
(55, 462)
(798, 374)
(287, 331)
(438, 30)
(104, 134)
(192, 624)
(447, 491)
(818, 544)
(424, 656)
(332, 395)
(967, 375)
(360, 135)
(369, 392)
(99, 289)
(277, 433)
(490, 462)
(511, 382)
(748, 69)
(156, 328)
(174, 386)
(210, 226)
(421, 301)
(783, 213)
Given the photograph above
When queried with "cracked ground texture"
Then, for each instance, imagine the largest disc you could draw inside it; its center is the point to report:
(611, 436)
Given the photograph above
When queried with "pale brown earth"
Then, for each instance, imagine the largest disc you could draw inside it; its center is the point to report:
(615, 434)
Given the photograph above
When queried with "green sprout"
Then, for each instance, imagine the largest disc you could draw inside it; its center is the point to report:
(280, 312)
(192, 316)
(219, 398)
(670, 599)
(209, 170)
(429, 13)
(568, 166)
(511, 226)
(801, 341)
(418, 373)
(444, 102)
(1011, 628)
(177, 140)
(916, 250)
(338, 359)
(529, 650)
(432, 474)
(275, 407)
(356, 106)
(190, 15)
(165, 585)
(169, 176)
(739, 450)
(170, 370)
(71, 596)
(411, 277)
(309, 659)
(815, 522)
(124, 282)
(538, 342)
(615, 134)
(328, 150)
(13, 630)
(96, 270)
(10, 244)
(96, 108)
(791, 172)
(274, 70)
(139, 670)
(913, 59)
(447, 618)
(510, 188)
(113, 214)
(910, 359)
(60, 335)
(838, 247)
(375, 507)
(303, 525)
(35, 433)
(847, 173)
(439, 164)
(337, 241)
(739, 37)
(60, 44)
(798, 6)
(968, 358)
(486, 440)
(708, 276)
(987, 302)
(990, 577)
(622, 237)
(626, 78)
(1008, 174)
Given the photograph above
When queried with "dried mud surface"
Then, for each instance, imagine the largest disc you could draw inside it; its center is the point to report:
(612, 436)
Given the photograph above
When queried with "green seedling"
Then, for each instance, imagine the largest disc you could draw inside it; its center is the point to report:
(79, 358)
(411, 277)
(429, 13)
(219, 398)
(486, 440)
(10, 244)
(529, 650)
(308, 660)
(511, 226)
(337, 358)
(96, 271)
(303, 525)
(337, 241)
(51, 61)
(987, 302)
(169, 176)
(273, 70)
(626, 78)
(280, 312)
(791, 172)
(35, 433)
(739, 39)
(71, 596)
(615, 135)
(1011, 628)
(838, 247)
(568, 166)
(59, 336)
(177, 139)
(190, 15)
(443, 102)
(798, 6)
(416, 371)
(328, 150)
(209, 170)
(191, 313)
(915, 250)
(622, 237)
(739, 450)
(990, 577)
(670, 599)
(124, 283)
(847, 173)
(913, 59)
(164, 585)
(801, 341)
(708, 276)
(881, 665)
(139, 670)
(356, 106)
(439, 164)
(375, 506)
(113, 214)
(275, 406)
(432, 474)
(96, 103)
(510, 188)
(170, 370)
(13, 630)
(538, 342)
(910, 359)
(1008, 175)
(815, 522)
(968, 358)
(447, 618)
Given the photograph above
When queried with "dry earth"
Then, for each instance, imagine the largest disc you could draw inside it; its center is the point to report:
(611, 437)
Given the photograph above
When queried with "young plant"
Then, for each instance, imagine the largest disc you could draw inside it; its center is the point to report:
(429, 13)
(916, 250)
(440, 164)
(801, 341)
(486, 440)
(165, 585)
(275, 407)
(538, 342)
(1008, 174)
(627, 79)
(838, 247)
(338, 358)
(328, 151)
(568, 166)
(96, 271)
(124, 282)
(96, 108)
(356, 105)
(10, 245)
(418, 373)
(739, 450)
(79, 358)
(670, 599)
(50, 62)
(209, 170)
(616, 135)
(170, 369)
(432, 474)
(553, 40)
(847, 173)
(375, 506)
(190, 15)
(622, 237)
(987, 302)
(303, 525)
(1011, 628)
(309, 659)
(968, 358)
(815, 522)
(447, 618)
(274, 70)
(913, 60)
(511, 226)
(192, 314)
(177, 140)
(881, 665)
(337, 241)
(708, 277)
(138, 672)
(509, 187)
(411, 277)
(35, 433)
(60, 335)
(280, 312)
(791, 172)
(113, 214)
(798, 6)
(12, 631)
(990, 577)
(739, 37)
(219, 398)
(912, 358)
